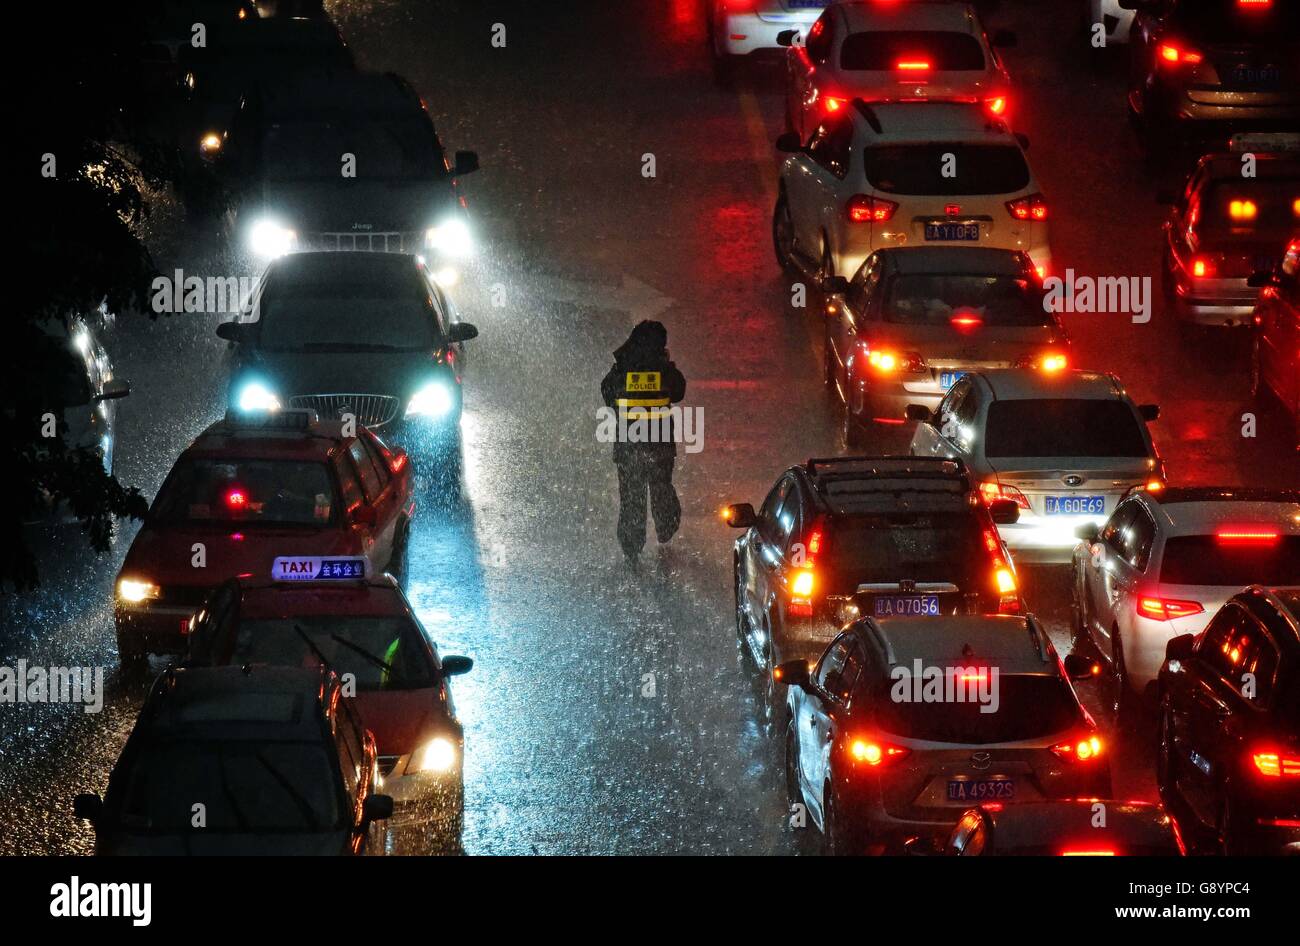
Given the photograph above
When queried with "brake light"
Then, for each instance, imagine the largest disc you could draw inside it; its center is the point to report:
(1276, 765)
(1006, 582)
(1295, 209)
(237, 499)
(992, 489)
(1202, 267)
(1053, 362)
(1255, 4)
(912, 65)
(1088, 852)
(872, 752)
(803, 583)
(1249, 536)
(883, 361)
(864, 209)
(834, 104)
(1242, 210)
(1033, 207)
(1166, 609)
(397, 463)
(801, 589)
(1173, 54)
(997, 105)
(966, 321)
(1085, 750)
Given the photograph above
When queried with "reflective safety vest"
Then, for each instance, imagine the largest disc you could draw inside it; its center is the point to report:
(642, 396)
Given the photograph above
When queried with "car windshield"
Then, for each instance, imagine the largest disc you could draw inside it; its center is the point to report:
(1250, 211)
(244, 786)
(380, 653)
(1228, 21)
(1209, 560)
(1030, 706)
(386, 149)
(937, 50)
(938, 298)
(311, 322)
(1061, 427)
(942, 546)
(919, 169)
(224, 76)
(247, 493)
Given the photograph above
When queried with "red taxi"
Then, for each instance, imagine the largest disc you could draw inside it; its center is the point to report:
(327, 611)
(249, 489)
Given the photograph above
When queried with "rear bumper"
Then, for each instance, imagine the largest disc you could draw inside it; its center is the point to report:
(740, 34)
(1210, 113)
(1227, 302)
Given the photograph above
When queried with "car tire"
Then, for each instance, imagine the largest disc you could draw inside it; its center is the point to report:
(793, 791)
(397, 561)
(1164, 752)
(1258, 390)
(1079, 637)
(838, 837)
(1225, 839)
(783, 236)
(855, 435)
(1123, 701)
(742, 622)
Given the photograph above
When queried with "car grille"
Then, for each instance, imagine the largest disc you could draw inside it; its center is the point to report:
(393, 241)
(387, 763)
(372, 410)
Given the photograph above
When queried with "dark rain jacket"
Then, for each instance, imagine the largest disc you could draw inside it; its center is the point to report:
(641, 386)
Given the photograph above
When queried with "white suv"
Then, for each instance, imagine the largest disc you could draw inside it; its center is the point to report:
(905, 174)
(1166, 561)
(740, 27)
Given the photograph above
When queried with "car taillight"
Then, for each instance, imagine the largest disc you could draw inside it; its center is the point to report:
(1087, 749)
(992, 489)
(1276, 765)
(1246, 536)
(1088, 852)
(237, 499)
(1254, 4)
(833, 104)
(912, 65)
(1174, 54)
(1242, 209)
(1049, 362)
(1033, 207)
(864, 209)
(1202, 267)
(996, 105)
(966, 321)
(1166, 609)
(801, 589)
(874, 752)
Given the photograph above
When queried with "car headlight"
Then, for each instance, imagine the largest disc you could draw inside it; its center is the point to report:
(432, 400)
(269, 239)
(134, 591)
(437, 755)
(451, 237)
(210, 143)
(256, 396)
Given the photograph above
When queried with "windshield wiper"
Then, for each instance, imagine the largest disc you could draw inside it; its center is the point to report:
(304, 806)
(377, 661)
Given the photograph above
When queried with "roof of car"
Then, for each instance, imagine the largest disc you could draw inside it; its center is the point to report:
(1068, 824)
(955, 260)
(1017, 384)
(288, 434)
(228, 699)
(1279, 607)
(863, 17)
(863, 484)
(1013, 643)
(933, 121)
(1269, 165)
(1199, 510)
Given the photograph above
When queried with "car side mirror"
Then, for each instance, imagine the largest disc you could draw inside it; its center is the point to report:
(1004, 39)
(466, 163)
(919, 413)
(234, 331)
(461, 332)
(1088, 531)
(1005, 512)
(793, 673)
(789, 143)
(88, 806)
(787, 37)
(376, 808)
(739, 515)
(1259, 278)
(1149, 412)
(1181, 647)
(832, 285)
(1079, 667)
(112, 390)
(1024, 141)
(454, 665)
(364, 516)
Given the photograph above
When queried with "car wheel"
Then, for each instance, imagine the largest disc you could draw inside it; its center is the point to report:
(1164, 752)
(793, 791)
(838, 838)
(397, 561)
(1079, 637)
(742, 622)
(828, 366)
(1257, 389)
(783, 236)
(1122, 700)
(1226, 826)
(827, 267)
(852, 429)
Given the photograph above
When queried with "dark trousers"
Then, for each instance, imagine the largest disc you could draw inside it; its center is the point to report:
(638, 473)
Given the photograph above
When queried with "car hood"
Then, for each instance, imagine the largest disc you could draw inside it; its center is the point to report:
(401, 720)
(395, 374)
(163, 554)
(355, 206)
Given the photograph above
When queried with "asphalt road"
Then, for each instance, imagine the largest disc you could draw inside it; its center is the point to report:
(570, 749)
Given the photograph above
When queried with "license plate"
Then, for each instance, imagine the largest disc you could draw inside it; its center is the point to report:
(892, 606)
(952, 231)
(948, 378)
(981, 789)
(1075, 505)
(1256, 75)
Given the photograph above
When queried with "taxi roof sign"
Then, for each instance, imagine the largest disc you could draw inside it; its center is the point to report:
(319, 568)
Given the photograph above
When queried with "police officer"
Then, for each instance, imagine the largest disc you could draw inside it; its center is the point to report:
(641, 386)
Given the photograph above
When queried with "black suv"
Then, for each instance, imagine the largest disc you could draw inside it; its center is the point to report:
(1228, 762)
(846, 537)
(1207, 67)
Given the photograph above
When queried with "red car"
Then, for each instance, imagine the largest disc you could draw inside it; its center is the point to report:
(326, 611)
(1275, 361)
(249, 489)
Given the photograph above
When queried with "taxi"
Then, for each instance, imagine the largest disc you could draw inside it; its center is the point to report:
(314, 610)
(251, 489)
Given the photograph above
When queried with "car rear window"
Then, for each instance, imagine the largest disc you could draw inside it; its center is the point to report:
(1063, 427)
(918, 169)
(1265, 210)
(247, 493)
(941, 50)
(321, 322)
(1229, 21)
(1029, 707)
(380, 652)
(940, 546)
(938, 298)
(1208, 560)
